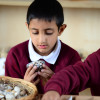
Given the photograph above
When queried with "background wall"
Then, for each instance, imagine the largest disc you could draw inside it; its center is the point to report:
(82, 32)
(12, 25)
(83, 29)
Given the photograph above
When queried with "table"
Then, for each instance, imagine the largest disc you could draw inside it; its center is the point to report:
(74, 97)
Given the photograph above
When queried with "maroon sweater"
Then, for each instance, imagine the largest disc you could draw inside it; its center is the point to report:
(77, 77)
(18, 57)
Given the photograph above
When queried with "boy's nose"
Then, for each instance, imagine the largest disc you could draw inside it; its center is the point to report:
(42, 38)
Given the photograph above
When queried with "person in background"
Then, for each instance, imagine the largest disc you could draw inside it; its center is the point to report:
(75, 78)
(45, 24)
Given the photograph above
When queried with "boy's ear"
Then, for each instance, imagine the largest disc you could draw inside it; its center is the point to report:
(26, 24)
(62, 28)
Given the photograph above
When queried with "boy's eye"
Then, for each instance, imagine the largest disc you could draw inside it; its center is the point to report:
(34, 32)
(48, 33)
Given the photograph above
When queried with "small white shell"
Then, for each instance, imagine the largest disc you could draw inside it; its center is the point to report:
(16, 94)
(10, 97)
(9, 87)
(17, 89)
(1, 96)
(1, 92)
(13, 91)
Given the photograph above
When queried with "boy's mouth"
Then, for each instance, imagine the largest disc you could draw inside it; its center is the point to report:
(42, 46)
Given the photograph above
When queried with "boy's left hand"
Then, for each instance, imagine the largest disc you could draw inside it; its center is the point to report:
(46, 72)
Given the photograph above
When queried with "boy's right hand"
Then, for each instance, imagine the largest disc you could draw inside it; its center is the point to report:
(30, 75)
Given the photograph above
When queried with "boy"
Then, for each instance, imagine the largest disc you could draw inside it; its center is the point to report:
(45, 23)
(77, 78)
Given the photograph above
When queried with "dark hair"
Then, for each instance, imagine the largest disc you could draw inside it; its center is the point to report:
(47, 10)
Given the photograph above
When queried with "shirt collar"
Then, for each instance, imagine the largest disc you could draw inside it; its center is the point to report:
(51, 58)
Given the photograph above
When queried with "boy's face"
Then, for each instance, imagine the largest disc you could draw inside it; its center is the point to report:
(44, 35)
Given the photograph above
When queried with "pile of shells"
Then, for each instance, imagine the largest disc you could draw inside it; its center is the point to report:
(12, 90)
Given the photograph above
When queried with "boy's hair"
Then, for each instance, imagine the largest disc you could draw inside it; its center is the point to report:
(47, 10)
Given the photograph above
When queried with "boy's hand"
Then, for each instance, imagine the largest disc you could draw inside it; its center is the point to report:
(46, 72)
(30, 75)
(51, 95)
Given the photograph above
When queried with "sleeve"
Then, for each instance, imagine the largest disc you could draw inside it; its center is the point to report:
(12, 68)
(76, 77)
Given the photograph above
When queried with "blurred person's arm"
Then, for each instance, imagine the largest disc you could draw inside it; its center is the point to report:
(78, 77)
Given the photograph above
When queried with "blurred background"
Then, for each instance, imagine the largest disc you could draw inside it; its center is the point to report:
(81, 16)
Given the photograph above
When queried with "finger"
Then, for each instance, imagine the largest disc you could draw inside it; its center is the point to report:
(32, 77)
(45, 75)
(46, 71)
(29, 69)
(32, 71)
(45, 66)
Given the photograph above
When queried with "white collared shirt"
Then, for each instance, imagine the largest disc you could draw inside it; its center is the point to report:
(51, 58)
